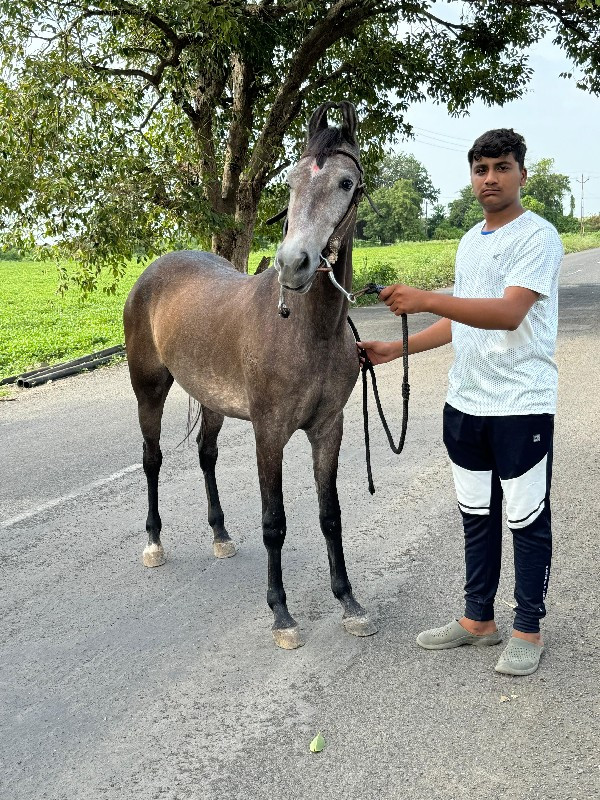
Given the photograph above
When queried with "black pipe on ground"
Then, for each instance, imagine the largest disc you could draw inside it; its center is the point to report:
(52, 375)
(23, 379)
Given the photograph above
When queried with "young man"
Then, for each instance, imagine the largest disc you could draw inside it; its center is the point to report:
(499, 414)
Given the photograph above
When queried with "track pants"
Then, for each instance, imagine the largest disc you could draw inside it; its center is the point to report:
(494, 457)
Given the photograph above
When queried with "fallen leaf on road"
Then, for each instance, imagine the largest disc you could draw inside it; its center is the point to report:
(317, 744)
(504, 698)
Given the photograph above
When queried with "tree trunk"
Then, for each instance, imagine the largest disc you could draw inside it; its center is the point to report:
(234, 243)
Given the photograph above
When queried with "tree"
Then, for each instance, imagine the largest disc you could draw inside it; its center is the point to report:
(131, 126)
(395, 166)
(532, 204)
(399, 217)
(465, 211)
(548, 188)
(437, 218)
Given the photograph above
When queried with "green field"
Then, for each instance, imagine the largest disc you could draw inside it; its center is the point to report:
(38, 326)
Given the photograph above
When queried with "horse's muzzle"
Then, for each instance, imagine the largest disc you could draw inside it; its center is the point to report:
(302, 289)
(297, 274)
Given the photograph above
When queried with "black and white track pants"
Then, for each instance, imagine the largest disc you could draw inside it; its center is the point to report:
(494, 457)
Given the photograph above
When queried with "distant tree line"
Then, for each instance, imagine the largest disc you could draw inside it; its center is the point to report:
(406, 198)
(407, 201)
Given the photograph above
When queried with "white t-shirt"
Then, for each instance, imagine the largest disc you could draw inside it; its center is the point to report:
(499, 373)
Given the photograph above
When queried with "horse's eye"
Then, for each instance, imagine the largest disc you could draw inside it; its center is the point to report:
(346, 184)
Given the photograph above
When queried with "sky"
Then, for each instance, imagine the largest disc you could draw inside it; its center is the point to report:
(557, 120)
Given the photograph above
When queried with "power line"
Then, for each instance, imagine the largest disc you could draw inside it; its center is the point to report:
(443, 135)
(439, 146)
(454, 145)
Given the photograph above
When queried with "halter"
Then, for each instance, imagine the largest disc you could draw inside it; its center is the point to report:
(345, 226)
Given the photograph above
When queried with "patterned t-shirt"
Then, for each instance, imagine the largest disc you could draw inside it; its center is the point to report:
(498, 373)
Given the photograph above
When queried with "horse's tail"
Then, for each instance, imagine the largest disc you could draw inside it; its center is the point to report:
(193, 418)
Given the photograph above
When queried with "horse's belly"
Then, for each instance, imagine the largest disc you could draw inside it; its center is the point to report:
(224, 397)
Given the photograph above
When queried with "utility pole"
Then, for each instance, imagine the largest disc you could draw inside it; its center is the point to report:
(581, 208)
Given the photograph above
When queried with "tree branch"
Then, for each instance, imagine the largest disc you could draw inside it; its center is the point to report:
(278, 170)
(341, 19)
(324, 80)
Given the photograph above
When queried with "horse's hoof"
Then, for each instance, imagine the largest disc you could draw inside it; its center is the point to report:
(360, 626)
(288, 638)
(224, 549)
(153, 555)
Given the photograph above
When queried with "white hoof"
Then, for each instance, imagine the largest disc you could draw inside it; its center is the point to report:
(153, 555)
(287, 638)
(224, 549)
(360, 626)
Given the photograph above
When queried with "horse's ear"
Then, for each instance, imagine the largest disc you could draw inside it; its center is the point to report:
(348, 122)
(318, 121)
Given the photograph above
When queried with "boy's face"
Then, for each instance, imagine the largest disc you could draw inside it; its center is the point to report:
(496, 182)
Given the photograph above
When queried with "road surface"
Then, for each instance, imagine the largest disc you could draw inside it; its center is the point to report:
(124, 682)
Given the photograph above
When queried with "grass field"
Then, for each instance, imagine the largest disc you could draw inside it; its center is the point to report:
(38, 327)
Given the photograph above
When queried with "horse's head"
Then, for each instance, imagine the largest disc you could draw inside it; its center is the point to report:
(324, 184)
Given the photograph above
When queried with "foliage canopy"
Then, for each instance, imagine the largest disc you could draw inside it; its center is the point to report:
(132, 126)
(398, 217)
(396, 166)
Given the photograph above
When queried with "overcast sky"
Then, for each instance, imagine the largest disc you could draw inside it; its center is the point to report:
(557, 120)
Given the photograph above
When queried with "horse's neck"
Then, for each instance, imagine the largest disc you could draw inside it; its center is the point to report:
(327, 306)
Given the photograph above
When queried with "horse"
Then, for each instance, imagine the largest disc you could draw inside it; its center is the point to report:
(193, 318)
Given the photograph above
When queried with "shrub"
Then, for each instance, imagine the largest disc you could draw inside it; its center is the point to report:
(447, 232)
(381, 272)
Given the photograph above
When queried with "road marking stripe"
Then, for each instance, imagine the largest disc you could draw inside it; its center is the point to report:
(67, 497)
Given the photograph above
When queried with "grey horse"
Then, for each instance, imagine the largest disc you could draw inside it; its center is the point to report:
(191, 317)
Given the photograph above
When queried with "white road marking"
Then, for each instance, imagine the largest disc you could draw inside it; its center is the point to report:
(67, 497)
(566, 274)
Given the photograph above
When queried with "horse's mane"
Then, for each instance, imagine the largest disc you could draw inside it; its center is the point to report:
(325, 142)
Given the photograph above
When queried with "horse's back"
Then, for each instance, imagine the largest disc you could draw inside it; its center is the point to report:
(188, 267)
(189, 312)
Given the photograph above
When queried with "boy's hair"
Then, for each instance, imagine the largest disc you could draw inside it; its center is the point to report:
(496, 143)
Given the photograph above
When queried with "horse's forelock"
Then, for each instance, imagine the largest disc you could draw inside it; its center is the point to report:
(324, 143)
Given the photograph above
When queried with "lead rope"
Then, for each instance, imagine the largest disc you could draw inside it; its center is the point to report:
(367, 366)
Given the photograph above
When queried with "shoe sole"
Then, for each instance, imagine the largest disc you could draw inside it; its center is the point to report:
(486, 642)
(517, 672)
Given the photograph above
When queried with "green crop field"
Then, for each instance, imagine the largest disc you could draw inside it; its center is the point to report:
(38, 326)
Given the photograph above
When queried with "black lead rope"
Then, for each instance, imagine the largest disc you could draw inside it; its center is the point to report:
(367, 366)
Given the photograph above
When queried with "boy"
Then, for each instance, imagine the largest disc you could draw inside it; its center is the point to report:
(499, 414)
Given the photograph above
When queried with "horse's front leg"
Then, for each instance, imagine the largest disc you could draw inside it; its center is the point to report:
(269, 456)
(326, 441)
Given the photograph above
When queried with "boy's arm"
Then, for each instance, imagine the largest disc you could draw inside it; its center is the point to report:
(435, 335)
(503, 313)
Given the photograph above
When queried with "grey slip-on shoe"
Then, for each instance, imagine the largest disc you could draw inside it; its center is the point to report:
(454, 635)
(520, 657)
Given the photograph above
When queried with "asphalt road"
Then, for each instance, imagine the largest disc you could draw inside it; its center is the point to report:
(124, 682)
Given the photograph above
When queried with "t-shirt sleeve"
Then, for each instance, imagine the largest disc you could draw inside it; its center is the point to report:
(537, 263)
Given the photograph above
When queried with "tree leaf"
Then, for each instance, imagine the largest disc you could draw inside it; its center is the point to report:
(317, 744)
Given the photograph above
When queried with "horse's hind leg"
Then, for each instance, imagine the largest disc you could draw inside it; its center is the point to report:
(208, 452)
(151, 394)
(325, 448)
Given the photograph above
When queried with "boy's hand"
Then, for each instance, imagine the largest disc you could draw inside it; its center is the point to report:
(380, 352)
(402, 299)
